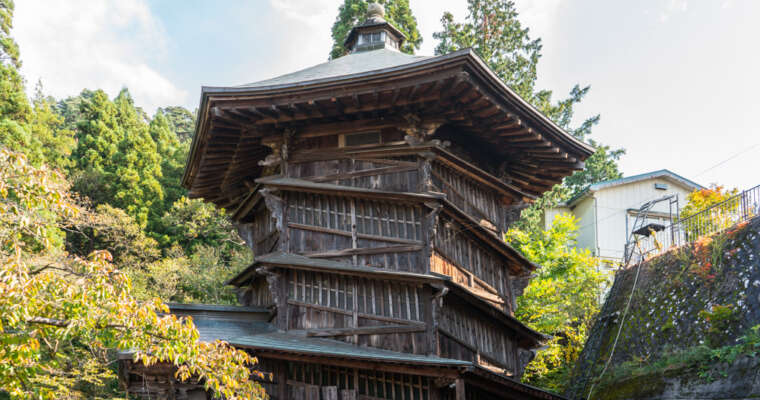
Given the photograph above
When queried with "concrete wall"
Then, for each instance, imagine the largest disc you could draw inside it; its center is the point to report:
(670, 313)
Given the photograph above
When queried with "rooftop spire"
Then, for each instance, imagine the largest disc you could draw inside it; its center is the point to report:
(374, 33)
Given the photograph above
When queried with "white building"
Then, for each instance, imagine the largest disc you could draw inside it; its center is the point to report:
(606, 211)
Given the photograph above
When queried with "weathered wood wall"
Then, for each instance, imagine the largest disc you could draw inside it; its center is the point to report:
(363, 232)
(474, 338)
(461, 254)
(261, 235)
(307, 381)
(395, 174)
(326, 303)
(472, 197)
(256, 294)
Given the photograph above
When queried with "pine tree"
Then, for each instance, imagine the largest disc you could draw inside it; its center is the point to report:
(397, 13)
(47, 127)
(173, 154)
(117, 159)
(181, 122)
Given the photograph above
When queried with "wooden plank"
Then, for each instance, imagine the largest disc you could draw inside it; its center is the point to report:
(460, 389)
(348, 313)
(360, 173)
(364, 251)
(330, 393)
(350, 234)
(368, 330)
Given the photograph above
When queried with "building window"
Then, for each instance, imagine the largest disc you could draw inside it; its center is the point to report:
(661, 186)
(372, 37)
(359, 139)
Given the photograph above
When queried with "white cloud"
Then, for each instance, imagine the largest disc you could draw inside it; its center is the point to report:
(104, 44)
(538, 15)
(311, 12)
(672, 7)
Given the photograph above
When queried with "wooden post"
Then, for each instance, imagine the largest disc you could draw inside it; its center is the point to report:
(460, 389)
(329, 393)
(282, 381)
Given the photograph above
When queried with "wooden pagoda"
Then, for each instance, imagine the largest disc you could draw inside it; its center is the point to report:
(373, 190)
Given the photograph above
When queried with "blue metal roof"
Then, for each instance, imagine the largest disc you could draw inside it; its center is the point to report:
(291, 343)
(662, 173)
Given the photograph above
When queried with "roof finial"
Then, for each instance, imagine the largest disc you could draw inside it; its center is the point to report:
(376, 11)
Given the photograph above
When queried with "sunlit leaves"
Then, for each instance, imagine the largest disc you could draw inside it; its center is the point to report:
(561, 300)
(62, 315)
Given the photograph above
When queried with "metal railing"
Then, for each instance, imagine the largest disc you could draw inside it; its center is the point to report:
(715, 218)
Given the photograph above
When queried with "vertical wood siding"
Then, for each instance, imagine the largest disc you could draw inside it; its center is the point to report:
(453, 243)
(362, 232)
(392, 300)
(396, 174)
(473, 198)
(368, 384)
(479, 336)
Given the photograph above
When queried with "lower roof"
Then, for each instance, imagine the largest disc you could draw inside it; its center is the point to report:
(297, 344)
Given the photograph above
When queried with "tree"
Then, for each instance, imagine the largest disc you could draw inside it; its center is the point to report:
(397, 13)
(61, 315)
(116, 158)
(193, 223)
(494, 32)
(561, 300)
(56, 143)
(713, 219)
(181, 122)
(173, 154)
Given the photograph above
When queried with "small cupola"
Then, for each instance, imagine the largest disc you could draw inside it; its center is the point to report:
(374, 33)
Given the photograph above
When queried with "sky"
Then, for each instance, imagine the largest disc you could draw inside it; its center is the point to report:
(675, 81)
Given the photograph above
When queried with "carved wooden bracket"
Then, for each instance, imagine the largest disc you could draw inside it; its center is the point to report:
(417, 131)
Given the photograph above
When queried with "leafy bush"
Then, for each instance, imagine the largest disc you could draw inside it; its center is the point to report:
(561, 300)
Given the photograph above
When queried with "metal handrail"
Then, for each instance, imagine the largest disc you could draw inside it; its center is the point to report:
(716, 218)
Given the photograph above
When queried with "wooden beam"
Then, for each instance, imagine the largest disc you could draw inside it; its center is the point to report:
(460, 389)
(367, 330)
(423, 370)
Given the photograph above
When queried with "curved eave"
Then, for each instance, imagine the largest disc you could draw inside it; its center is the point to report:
(475, 72)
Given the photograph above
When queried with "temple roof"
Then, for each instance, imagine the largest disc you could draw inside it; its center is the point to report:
(237, 124)
(293, 343)
(348, 65)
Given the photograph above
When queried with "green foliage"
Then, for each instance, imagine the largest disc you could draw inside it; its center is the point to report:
(173, 154)
(109, 228)
(706, 362)
(199, 278)
(720, 319)
(181, 122)
(56, 143)
(117, 159)
(193, 223)
(561, 300)
(61, 315)
(397, 13)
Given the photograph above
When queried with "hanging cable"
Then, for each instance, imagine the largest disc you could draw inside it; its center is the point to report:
(622, 320)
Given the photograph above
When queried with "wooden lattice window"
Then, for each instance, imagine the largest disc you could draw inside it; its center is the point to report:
(370, 384)
(379, 298)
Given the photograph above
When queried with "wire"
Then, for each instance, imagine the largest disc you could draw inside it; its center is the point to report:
(622, 321)
(728, 159)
